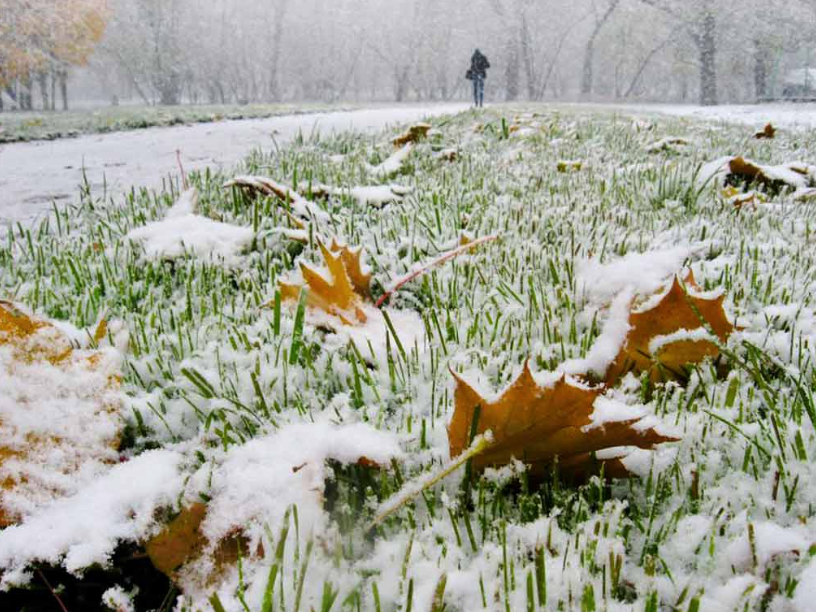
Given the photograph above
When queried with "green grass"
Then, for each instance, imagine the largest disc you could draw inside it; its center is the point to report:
(25, 126)
(208, 363)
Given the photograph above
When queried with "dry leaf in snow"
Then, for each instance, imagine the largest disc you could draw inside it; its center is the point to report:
(569, 165)
(352, 262)
(182, 542)
(665, 338)
(301, 207)
(335, 294)
(767, 133)
(672, 143)
(536, 423)
(413, 134)
(60, 420)
(773, 179)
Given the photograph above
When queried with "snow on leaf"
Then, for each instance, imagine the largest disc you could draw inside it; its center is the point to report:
(537, 424)
(301, 207)
(671, 335)
(393, 164)
(60, 409)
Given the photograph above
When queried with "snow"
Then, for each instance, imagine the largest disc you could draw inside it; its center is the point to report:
(782, 115)
(699, 334)
(645, 273)
(770, 540)
(37, 173)
(84, 529)
(367, 195)
(259, 481)
(59, 422)
(804, 599)
(178, 236)
(392, 164)
(607, 346)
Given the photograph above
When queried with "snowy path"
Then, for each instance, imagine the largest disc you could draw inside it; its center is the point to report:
(33, 175)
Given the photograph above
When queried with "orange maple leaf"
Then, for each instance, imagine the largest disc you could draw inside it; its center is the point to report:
(767, 133)
(335, 295)
(415, 133)
(536, 425)
(677, 311)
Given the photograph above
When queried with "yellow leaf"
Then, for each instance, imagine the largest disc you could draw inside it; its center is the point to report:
(352, 262)
(536, 424)
(334, 295)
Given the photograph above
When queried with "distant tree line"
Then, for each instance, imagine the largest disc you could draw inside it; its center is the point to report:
(248, 51)
(40, 40)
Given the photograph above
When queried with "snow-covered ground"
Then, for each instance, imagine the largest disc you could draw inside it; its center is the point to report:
(783, 115)
(33, 175)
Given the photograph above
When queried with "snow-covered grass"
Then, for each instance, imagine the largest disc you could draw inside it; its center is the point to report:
(18, 126)
(235, 401)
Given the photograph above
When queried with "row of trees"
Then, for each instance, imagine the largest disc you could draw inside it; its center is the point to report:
(40, 40)
(228, 51)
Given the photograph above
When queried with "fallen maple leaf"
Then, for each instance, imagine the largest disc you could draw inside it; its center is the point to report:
(335, 295)
(182, 542)
(352, 262)
(35, 459)
(537, 424)
(661, 339)
(413, 134)
(768, 132)
(772, 179)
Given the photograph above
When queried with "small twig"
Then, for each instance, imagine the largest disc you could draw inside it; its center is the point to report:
(181, 168)
(416, 487)
(53, 592)
(438, 261)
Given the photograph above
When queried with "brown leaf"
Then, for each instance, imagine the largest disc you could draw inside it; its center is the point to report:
(536, 424)
(413, 134)
(744, 173)
(335, 295)
(768, 133)
(181, 542)
(676, 311)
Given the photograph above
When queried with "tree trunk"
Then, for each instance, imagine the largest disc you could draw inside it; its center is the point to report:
(42, 80)
(63, 85)
(588, 72)
(760, 73)
(53, 91)
(511, 73)
(274, 88)
(527, 56)
(707, 47)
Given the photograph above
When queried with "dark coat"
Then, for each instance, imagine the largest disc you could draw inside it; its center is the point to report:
(479, 64)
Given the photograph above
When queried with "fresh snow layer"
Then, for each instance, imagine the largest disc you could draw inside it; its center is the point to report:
(184, 232)
(644, 273)
(259, 481)
(85, 529)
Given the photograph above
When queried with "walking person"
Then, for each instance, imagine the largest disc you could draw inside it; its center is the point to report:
(478, 73)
